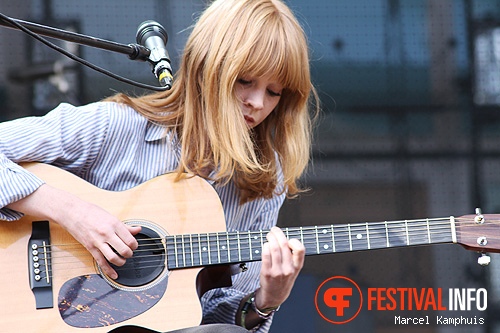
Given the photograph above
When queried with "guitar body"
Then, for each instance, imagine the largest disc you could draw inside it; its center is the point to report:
(81, 296)
(52, 284)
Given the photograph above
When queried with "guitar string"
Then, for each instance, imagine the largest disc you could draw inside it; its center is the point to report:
(314, 242)
(381, 232)
(224, 238)
(297, 229)
(189, 254)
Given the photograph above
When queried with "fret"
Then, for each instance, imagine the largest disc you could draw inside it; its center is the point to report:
(428, 231)
(387, 234)
(442, 231)
(208, 249)
(179, 252)
(183, 248)
(239, 245)
(309, 239)
(324, 240)
(170, 255)
(175, 251)
(378, 235)
(294, 233)
(367, 236)
(213, 247)
(233, 246)
(396, 232)
(407, 233)
(224, 248)
(228, 248)
(192, 250)
(333, 240)
(218, 247)
(255, 243)
(261, 241)
(358, 237)
(341, 238)
(350, 237)
(453, 230)
(199, 250)
(244, 244)
(250, 245)
(418, 232)
(204, 249)
(317, 239)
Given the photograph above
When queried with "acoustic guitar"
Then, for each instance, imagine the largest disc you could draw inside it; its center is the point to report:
(52, 284)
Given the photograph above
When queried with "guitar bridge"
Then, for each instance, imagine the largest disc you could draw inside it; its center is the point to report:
(40, 266)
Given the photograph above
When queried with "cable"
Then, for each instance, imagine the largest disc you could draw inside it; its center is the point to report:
(78, 59)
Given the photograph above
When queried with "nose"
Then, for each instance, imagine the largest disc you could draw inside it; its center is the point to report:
(255, 99)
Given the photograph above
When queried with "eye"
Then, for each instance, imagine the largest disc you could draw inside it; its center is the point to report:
(273, 93)
(244, 82)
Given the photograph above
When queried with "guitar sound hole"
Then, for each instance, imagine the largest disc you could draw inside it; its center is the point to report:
(147, 263)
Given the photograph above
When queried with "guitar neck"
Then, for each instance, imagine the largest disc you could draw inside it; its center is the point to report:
(193, 250)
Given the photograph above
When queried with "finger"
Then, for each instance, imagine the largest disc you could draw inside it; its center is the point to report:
(134, 229)
(126, 236)
(110, 253)
(104, 264)
(298, 252)
(274, 249)
(121, 250)
(282, 241)
(266, 258)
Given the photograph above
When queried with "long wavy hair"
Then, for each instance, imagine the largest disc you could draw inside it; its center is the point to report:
(234, 39)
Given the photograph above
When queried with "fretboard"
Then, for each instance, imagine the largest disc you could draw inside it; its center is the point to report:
(192, 250)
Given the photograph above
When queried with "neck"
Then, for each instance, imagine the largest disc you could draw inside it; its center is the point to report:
(193, 250)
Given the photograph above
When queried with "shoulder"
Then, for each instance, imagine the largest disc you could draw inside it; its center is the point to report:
(90, 114)
(110, 114)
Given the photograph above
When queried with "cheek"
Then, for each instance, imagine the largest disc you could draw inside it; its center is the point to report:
(272, 105)
(238, 92)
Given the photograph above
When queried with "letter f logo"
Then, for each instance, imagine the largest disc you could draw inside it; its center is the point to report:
(334, 298)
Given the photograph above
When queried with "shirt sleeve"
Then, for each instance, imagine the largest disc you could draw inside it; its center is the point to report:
(220, 305)
(68, 137)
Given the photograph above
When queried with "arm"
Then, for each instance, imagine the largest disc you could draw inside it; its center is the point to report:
(225, 305)
(282, 260)
(94, 228)
(64, 138)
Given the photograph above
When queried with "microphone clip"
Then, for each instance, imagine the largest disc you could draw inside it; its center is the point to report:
(153, 36)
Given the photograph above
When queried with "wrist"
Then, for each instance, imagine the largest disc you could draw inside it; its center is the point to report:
(265, 312)
(262, 306)
(249, 316)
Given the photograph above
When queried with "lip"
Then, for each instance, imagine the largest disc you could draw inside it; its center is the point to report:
(249, 120)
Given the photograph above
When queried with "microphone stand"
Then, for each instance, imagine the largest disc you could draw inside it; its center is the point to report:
(134, 51)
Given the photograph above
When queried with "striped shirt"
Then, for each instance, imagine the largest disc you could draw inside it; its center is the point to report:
(115, 148)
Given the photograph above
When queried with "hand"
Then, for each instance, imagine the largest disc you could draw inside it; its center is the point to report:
(97, 230)
(108, 239)
(282, 260)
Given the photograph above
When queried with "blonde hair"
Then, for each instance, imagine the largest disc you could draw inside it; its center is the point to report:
(234, 39)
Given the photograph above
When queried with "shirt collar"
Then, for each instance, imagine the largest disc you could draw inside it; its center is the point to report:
(155, 131)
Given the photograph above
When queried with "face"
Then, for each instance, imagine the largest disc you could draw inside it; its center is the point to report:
(259, 97)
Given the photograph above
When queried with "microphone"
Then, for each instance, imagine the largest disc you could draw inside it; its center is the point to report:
(153, 36)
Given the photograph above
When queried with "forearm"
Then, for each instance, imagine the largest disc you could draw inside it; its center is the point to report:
(15, 184)
(47, 202)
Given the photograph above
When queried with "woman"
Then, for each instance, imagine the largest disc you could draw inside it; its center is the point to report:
(237, 115)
